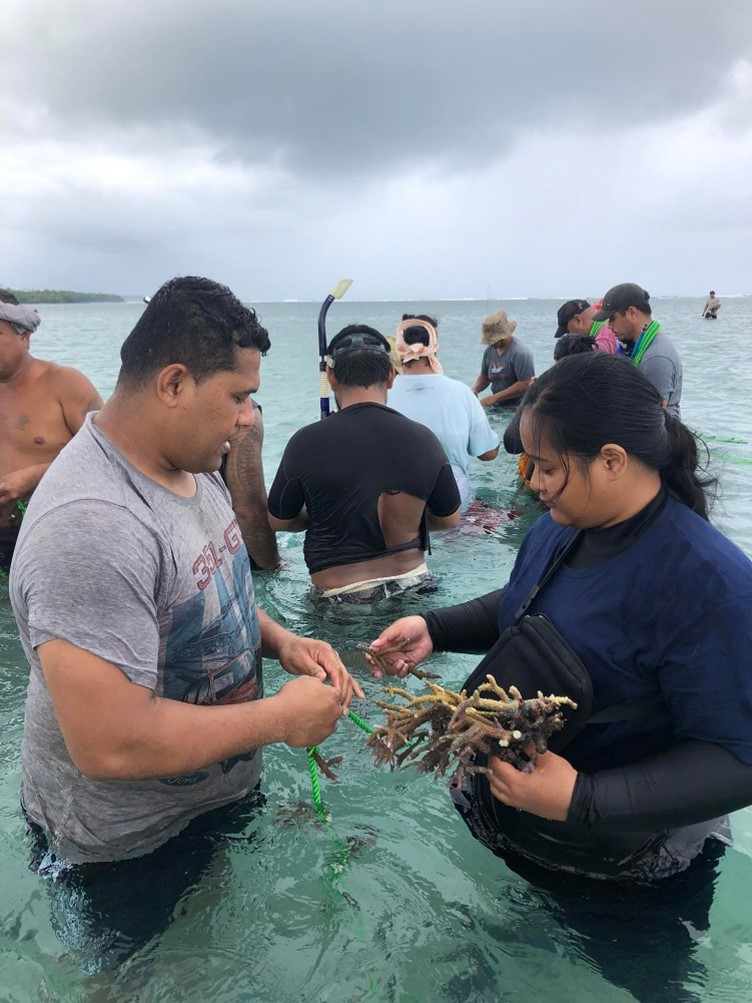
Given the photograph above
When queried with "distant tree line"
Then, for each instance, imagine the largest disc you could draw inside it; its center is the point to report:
(63, 296)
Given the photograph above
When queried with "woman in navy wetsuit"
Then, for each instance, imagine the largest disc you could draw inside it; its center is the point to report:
(655, 606)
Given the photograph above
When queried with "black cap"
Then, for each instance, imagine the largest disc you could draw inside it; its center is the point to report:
(566, 312)
(620, 298)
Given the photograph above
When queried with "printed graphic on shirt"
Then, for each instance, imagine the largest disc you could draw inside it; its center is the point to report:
(216, 659)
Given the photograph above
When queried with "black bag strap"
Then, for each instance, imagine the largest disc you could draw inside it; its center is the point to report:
(553, 567)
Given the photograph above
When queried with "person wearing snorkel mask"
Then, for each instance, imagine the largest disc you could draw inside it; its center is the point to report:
(366, 484)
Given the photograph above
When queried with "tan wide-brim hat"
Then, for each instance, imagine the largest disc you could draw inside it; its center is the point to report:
(496, 327)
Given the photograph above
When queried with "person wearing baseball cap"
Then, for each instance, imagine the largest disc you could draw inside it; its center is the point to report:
(576, 317)
(627, 309)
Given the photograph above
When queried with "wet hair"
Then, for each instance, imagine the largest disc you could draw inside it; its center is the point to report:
(418, 335)
(192, 321)
(592, 399)
(573, 344)
(360, 367)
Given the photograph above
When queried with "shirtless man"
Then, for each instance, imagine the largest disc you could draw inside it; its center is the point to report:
(42, 406)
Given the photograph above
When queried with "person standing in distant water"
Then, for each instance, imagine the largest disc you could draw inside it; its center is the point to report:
(446, 406)
(42, 406)
(243, 472)
(576, 317)
(712, 306)
(627, 309)
(507, 366)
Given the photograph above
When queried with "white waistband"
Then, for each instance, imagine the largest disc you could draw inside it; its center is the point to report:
(371, 583)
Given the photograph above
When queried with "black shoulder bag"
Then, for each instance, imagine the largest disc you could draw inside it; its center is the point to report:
(532, 655)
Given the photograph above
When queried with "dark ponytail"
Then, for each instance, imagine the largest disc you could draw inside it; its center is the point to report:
(588, 400)
(681, 476)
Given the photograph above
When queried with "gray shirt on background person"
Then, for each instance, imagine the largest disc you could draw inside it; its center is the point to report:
(504, 369)
(159, 586)
(662, 366)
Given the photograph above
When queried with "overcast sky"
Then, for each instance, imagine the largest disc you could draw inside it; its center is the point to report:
(427, 149)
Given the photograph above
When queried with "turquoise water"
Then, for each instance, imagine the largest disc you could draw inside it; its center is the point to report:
(397, 902)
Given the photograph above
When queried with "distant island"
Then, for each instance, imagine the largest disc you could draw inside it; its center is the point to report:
(63, 296)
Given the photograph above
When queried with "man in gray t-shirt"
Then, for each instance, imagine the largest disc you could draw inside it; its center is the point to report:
(507, 365)
(627, 309)
(132, 590)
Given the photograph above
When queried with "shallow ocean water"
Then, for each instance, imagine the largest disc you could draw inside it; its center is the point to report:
(396, 901)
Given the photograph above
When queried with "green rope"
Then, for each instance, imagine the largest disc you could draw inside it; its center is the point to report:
(313, 769)
(340, 861)
(313, 750)
(21, 507)
(360, 722)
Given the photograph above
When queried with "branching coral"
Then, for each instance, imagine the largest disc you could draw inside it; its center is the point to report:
(325, 765)
(379, 658)
(443, 730)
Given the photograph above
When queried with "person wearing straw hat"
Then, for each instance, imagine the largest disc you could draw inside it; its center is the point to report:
(42, 406)
(507, 366)
(446, 406)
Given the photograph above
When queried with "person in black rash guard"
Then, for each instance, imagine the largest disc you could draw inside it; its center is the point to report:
(365, 484)
(652, 601)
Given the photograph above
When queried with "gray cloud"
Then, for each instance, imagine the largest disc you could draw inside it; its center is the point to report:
(428, 147)
(337, 88)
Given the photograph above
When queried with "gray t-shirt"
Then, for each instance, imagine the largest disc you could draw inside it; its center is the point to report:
(662, 366)
(506, 368)
(160, 586)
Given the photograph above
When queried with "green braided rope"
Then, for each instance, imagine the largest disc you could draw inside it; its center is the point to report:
(360, 722)
(313, 769)
(341, 860)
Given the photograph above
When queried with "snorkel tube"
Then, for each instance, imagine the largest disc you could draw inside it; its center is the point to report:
(336, 294)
